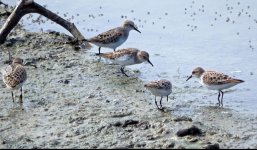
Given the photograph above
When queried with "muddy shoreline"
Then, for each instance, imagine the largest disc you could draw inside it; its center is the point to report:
(73, 101)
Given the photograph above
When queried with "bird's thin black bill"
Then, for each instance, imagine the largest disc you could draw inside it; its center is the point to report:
(137, 30)
(150, 62)
(189, 77)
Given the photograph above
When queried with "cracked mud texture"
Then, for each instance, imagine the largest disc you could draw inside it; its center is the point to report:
(73, 101)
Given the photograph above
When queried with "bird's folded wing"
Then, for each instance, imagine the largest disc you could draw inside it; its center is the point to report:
(107, 37)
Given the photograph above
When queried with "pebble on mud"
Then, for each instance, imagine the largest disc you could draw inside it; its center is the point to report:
(193, 130)
(117, 124)
(212, 146)
(183, 118)
(144, 125)
(76, 48)
(64, 81)
(91, 96)
(171, 145)
(129, 122)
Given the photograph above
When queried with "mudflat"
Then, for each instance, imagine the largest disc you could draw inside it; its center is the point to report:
(71, 100)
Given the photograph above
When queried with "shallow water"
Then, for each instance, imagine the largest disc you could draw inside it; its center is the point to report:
(179, 35)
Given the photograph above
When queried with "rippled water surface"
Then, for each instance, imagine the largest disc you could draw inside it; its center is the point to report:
(179, 35)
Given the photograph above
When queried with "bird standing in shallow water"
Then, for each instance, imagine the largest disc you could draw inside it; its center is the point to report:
(126, 57)
(159, 88)
(14, 76)
(215, 81)
(115, 37)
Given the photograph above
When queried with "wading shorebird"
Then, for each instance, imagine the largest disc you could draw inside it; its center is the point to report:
(126, 57)
(215, 81)
(159, 88)
(115, 37)
(14, 76)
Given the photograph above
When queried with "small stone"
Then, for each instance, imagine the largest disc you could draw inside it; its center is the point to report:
(144, 126)
(66, 81)
(140, 145)
(130, 122)
(193, 130)
(117, 124)
(8, 44)
(28, 140)
(3, 142)
(213, 146)
(76, 48)
(150, 137)
(94, 147)
(160, 131)
(55, 143)
(140, 91)
(130, 130)
(171, 145)
(91, 96)
(183, 118)
(179, 147)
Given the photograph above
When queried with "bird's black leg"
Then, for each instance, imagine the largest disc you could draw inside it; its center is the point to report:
(156, 102)
(21, 96)
(99, 50)
(122, 71)
(99, 54)
(12, 97)
(167, 98)
(161, 102)
(114, 49)
(221, 98)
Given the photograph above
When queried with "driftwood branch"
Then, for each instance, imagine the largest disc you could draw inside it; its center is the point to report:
(29, 6)
(1, 3)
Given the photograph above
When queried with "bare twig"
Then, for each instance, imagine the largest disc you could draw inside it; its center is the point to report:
(29, 6)
(5, 5)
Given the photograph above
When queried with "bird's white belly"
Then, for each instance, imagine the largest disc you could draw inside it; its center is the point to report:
(125, 61)
(160, 92)
(16, 87)
(218, 87)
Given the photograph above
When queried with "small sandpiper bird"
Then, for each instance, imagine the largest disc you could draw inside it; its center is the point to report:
(126, 57)
(14, 76)
(215, 81)
(159, 88)
(115, 37)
